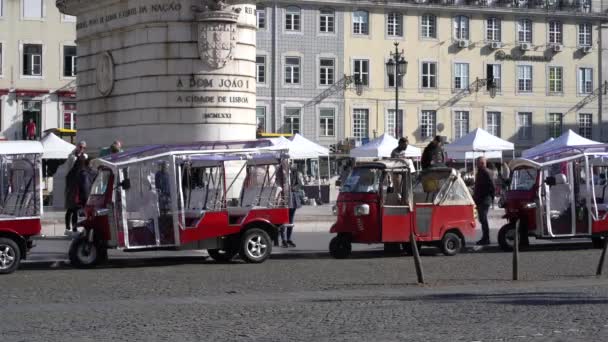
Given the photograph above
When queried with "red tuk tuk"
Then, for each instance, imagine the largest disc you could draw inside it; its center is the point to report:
(378, 204)
(20, 199)
(194, 196)
(561, 198)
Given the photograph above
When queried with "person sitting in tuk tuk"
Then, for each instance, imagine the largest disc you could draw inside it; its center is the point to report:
(433, 153)
(116, 147)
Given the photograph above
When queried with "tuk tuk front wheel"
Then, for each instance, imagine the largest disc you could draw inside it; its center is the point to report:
(451, 244)
(506, 237)
(256, 245)
(340, 247)
(10, 256)
(85, 254)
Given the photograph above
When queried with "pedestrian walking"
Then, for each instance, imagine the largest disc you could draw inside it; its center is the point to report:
(295, 202)
(79, 152)
(72, 197)
(433, 153)
(483, 194)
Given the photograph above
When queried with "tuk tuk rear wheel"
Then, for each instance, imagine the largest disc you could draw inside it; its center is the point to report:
(222, 255)
(10, 256)
(340, 247)
(506, 237)
(85, 254)
(451, 244)
(598, 242)
(256, 245)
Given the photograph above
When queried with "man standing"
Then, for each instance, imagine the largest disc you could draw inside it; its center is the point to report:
(79, 152)
(483, 194)
(396, 153)
(30, 130)
(433, 153)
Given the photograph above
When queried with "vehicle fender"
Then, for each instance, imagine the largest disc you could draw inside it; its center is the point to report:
(270, 228)
(332, 229)
(20, 240)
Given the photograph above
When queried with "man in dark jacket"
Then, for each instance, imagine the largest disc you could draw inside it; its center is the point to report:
(483, 194)
(85, 181)
(433, 153)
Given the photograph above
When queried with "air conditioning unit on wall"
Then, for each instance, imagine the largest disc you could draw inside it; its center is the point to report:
(463, 44)
(495, 45)
(557, 47)
(587, 49)
(525, 46)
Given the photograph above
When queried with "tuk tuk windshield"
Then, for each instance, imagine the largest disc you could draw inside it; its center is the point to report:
(523, 179)
(362, 180)
(100, 185)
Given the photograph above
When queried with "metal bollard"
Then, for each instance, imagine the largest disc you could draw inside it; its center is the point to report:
(417, 262)
(600, 265)
(516, 252)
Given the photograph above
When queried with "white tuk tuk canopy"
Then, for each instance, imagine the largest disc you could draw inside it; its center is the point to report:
(478, 143)
(564, 143)
(55, 147)
(382, 147)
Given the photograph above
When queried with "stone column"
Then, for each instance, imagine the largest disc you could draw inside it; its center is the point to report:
(165, 71)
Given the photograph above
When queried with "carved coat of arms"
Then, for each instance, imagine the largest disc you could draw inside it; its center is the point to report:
(217, 32)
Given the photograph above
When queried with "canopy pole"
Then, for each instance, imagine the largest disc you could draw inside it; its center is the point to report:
(319, 177)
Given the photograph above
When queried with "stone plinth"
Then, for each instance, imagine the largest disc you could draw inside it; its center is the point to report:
(164, 71)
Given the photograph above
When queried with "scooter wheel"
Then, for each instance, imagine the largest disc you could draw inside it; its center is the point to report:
(10, 256)
(85, 254)
(340, 247)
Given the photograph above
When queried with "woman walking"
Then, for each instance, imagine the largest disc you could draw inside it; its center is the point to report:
(295, 202)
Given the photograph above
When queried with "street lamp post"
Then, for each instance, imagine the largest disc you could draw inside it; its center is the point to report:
(396, 67)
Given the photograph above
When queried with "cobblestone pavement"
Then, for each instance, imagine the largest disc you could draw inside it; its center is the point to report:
(371, 298)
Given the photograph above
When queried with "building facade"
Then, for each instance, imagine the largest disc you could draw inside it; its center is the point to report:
(37, 67)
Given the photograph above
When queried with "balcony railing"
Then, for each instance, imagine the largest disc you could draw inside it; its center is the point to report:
(580, 6)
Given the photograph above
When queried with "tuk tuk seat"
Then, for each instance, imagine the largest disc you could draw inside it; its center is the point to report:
(257, 196)
(560, 193)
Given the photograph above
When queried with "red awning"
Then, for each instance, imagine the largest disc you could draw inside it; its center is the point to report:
(30, 92)
(66, 93)
(3, 92)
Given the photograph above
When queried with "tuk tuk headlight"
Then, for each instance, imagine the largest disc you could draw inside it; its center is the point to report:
(530, 205)
(102, 212)
(362, 210)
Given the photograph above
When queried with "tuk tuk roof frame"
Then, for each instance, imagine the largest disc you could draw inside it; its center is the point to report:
(519, 162)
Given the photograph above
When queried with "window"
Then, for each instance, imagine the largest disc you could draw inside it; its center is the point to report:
(428, 26)
(394, 123)
(391, 79)
(555, 125)
(0, 51)
(32, 9)
(260, 17)
(524, 125)
(327, 122)
(291, 122)
(68, 18)
(394, 25)
(69, 115)
(461, 75)
(429, 75)
(32, 110)
(524, 31)
(292, 19)
(32, 59)
(461, 27)
(260, 118)
(493, 71)
(585, 80)
(69, 61)
(493, 123)
(493, 30)
(461, 123)
(361, 68)
(585, 125)
(524, 78)
(555, 32)
(556, 80)
(292, 70)
(360, 22)
(428, 119)
(326, 71)
(326, 21)
(260, 69)
(360, 123)
(584, 34)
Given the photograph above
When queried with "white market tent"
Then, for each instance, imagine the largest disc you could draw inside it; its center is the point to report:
(532, 151)
(564, 143)
(382, 147)
(20, 147)
(478, 143)
(55, 147)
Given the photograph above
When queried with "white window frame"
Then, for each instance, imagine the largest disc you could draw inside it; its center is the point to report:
(462, 27)
(264, 129)
(72, 116)
(391, 123)
(390, 84)
(583, 125)
(65, 18)
(529, 89)
(460, 75)
(361, 73)
(430, 122)
(584, 34)
(292, 72)
(555, 31)
(428, 29)
(498, 83)
(22, 56)
(324, 121)
(2, 52)
(74, 58)
(551, 89)
(325, 71)
(551, 122)
(493, 29)
(42, 11)
(462, 123)
(360, 113)
(428, 75)
(584, 85)
(394, 22)
(260, 13)
(525, 27)
(494, 122)
(327, 15)
(261, 66)
(295, 14)
(292, 117)
(527, 128)
(360, 25)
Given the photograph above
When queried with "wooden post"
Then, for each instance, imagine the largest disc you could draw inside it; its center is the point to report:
(417, 263)
(600, 265)
(516, 252)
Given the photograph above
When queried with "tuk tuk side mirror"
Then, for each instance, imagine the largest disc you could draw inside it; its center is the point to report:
(550, 181)
(125, 184)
